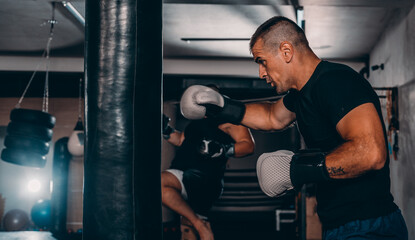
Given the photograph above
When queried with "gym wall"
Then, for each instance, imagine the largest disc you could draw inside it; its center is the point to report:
(399, 72)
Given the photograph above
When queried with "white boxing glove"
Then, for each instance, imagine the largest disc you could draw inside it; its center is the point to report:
(281, 171)
(199, 101)
(273, 171)
(192, 103)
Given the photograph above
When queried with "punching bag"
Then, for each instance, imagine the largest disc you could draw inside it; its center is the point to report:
(108, 212)
(76, 140)
(122, 195)
(61, 158)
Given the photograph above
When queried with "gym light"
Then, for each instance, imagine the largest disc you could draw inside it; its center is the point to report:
(34, 185)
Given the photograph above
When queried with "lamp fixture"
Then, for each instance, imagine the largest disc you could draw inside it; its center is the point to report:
(188, 40)
(75, 13)
(376, 67)
(300, 18)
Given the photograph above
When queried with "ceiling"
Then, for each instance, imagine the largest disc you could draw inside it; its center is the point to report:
(213, 34)
(336, 29)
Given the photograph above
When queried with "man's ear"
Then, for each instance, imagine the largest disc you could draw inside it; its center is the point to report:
(287, 51)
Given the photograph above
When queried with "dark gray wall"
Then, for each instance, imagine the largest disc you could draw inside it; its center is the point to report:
(396, 49)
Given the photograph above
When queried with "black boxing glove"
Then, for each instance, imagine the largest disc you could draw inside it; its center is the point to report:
(167, 130)
(214, 149)
(308, 167)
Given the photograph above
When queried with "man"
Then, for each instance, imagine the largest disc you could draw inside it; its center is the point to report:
(195, 178)
(338, 115)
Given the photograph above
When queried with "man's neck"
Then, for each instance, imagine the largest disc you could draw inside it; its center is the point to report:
(308, 66)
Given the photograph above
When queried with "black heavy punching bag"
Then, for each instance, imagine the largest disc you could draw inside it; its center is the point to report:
(61, 158)
(28, 135)
(110, 55)
(122, 155)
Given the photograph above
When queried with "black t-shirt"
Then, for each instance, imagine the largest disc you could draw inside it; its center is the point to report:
(332, 91)
(188, 155)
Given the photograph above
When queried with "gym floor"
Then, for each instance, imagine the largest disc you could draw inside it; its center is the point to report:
(25, 235)
(238, 230)
(34, 235)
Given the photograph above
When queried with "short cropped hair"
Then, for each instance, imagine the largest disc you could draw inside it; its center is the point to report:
(278, 29)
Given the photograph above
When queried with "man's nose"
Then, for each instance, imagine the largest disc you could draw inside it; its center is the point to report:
(262, 72)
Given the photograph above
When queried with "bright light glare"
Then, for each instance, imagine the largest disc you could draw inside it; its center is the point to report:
(300, 17)
(34, 185)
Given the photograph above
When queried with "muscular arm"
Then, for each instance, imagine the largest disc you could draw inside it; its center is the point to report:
(364, 149)
(268, 116)
(244, 142)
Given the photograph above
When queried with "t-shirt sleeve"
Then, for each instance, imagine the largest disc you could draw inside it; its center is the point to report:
(289, 100)
(340, 92)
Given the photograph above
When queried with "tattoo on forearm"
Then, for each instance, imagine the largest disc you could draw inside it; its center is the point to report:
(336, 171)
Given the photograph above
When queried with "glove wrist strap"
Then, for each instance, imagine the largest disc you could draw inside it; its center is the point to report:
(230, 150)
(233, 111)
(167, 132)
(308, 167)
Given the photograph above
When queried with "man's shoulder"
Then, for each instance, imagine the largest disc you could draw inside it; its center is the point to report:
(336, 74)
(338, 70)
(328, 65)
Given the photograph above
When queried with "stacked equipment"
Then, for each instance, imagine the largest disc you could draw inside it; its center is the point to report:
(28, 135)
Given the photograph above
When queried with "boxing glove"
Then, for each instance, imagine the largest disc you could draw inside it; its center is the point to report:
(199, 101)
(167, 129)
(214, 149)
(281, 171)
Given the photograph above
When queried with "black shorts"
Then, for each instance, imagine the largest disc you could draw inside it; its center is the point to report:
(202, 190)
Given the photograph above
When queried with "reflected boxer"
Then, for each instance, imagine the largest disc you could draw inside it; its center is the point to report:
(195, 178)
(338, 115)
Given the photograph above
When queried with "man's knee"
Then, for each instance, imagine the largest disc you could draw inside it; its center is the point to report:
(168, 180)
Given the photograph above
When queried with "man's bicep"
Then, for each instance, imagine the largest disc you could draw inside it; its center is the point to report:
(362, 121)
(363, 128)
(364, 148)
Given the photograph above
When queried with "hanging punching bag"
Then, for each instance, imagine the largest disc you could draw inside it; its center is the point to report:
(61, 158)
(76, 140)
(30, 131)
(108, 211)
(28, 135)
(122, 194)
